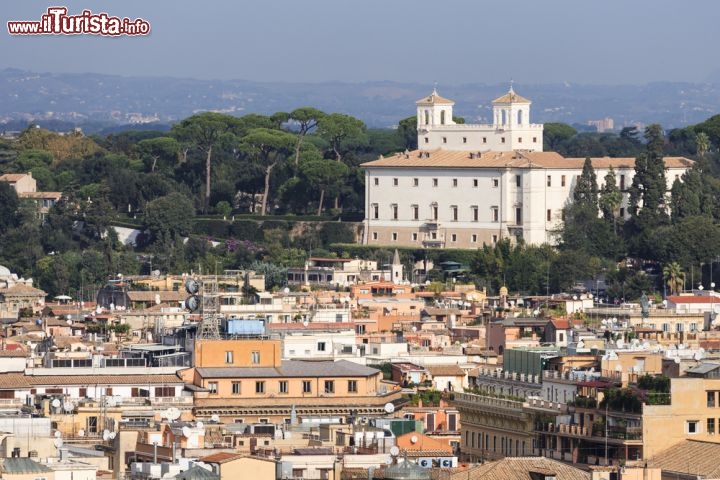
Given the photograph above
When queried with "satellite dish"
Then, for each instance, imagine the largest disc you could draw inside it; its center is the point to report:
(477, 359)
(389, 407)
(157, 299)
(112, 435)
(186, 431)
(215, 418)
(192, 286)
(172, 413)
(81, 432)
(305, 323)
(191, 303)
(106, 435)
(68, 406)
(58, 434)
(200, 425)
(111, 402)
(413, 439)
(56, 402)
(394, 451)
(58, 442)
(286, 290)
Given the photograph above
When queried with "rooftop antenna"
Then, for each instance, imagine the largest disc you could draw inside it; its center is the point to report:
(435, 87)
(511, 85)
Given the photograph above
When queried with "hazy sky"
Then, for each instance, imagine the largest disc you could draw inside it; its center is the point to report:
(451, 42)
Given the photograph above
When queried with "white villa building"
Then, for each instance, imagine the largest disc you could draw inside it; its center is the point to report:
(467, 185)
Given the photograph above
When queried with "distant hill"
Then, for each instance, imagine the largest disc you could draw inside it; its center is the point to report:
(107, 101)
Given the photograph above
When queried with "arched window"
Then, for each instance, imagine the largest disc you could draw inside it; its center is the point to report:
(520, 117)
(427, 117)
(442, 117)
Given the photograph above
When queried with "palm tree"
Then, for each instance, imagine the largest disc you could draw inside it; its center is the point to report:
(702, 143)
(674, 277)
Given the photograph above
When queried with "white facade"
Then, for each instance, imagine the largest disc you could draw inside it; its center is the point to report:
(454, 192)
(511, 128)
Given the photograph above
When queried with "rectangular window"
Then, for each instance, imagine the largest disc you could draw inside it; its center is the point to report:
(395, 182)
(549, 181)
(434, 209)
(495, 182)
(352, 386)
(444, 139)
(518, 181)
(710, 399)
(376, 211)
(622, 182)
(519, 139)
(283, 386)
(213, 387)
(374, 235)
(259, 387)
(484, 139)
(495, 214)
(376, 181)
(159, 392)
(416, 182)
(435, 182)
(414, 237)
(473, 238)
(475, 213)
(494, 239)
(321, 346)
(534, 139)
(464, 139)
(415, 212)
(329, 386)
(711, 426)
(622, 211)
(455, 182)
(394, 236)
(236, 388)
(307, 386)
(693, 327)
(427, 140)
(562, 180)
(394, 211)
(454, 211)
(453, 237)
(549, 215)
(255, 358)
(229, 357)
(518, 216)
(692, 427)
(475, 182)
(502, 139)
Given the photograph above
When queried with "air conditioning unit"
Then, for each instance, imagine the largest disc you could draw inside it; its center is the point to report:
(425, 462)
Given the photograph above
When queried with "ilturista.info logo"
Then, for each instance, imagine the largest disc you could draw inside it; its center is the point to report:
(57, 22)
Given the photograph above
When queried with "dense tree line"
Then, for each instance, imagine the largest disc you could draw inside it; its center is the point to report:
(203, 179)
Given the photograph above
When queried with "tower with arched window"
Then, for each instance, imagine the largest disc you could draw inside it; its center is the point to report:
(510, 128)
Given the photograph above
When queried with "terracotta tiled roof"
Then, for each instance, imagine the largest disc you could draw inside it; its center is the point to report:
(21, 289)
(12, 177)
(511, 97)
(519, 468)
(221, 457)
(13, 380)
(515, 159)
(692, 457)
(445, 370)
(41, 195)
(434, 99)
(692, 299)
(149, 296)
(103, 379)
